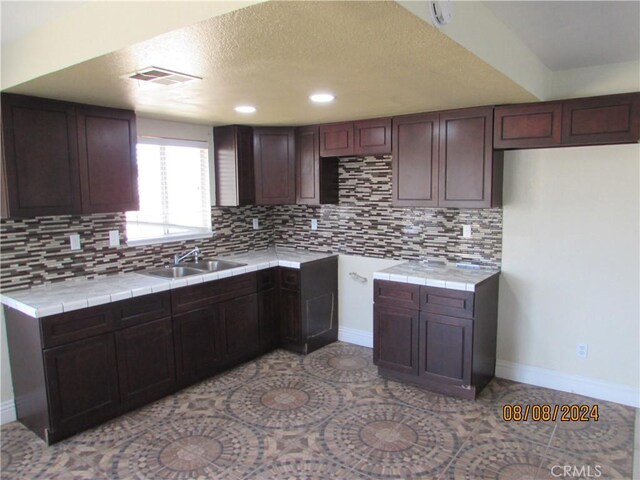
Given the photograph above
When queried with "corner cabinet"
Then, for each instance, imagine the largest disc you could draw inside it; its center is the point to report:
(274, 157)
(62, 158)
(440, 339)
(316, 177)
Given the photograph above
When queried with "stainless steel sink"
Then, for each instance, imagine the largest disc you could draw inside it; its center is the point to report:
(173, 272)
(215, 265)
(195, 268)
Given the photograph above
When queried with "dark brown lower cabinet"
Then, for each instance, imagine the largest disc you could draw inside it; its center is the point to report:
(445, 349)
(309, 305)
(196, 344)
(446, 343)
(82, 380)
(395, 339)
(146, 363)
(239, 328)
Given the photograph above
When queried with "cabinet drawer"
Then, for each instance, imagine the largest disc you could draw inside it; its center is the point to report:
(455, 303)
(142, 309)
(289, 279)
(190, 298)
(69, 327)
(266, 279)
(395, 293)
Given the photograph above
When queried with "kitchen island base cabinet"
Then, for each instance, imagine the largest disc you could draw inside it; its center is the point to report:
(440, 339)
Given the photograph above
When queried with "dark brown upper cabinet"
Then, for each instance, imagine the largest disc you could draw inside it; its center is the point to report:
(63, 159)
(601, 120)
(233, 158)
(364, 137)
(40, 157)
(534, 125)
(108, 167)
(470, 172)
(336, 140)
(274, 157)
(415, 160)
(372, 137)
(316, 178)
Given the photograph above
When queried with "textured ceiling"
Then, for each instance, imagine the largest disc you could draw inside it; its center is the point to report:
(376, 57)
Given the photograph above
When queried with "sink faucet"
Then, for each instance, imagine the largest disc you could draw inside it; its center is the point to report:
(191, 253)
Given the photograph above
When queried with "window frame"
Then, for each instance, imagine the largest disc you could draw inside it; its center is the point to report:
(190, 136)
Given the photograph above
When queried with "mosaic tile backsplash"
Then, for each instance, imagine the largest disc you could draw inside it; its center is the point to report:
(36, 250)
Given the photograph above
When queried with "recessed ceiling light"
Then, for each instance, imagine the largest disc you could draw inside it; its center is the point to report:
(322, 97)
(245, 109)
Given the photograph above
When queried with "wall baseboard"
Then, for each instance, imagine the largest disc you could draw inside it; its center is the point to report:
(7, 412)
(355, 336)
(564, 382)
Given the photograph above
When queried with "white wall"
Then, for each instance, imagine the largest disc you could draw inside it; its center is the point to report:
(570, 270)
(6, 388)
(355, 299)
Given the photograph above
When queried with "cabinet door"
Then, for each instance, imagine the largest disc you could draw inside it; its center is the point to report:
(601, 120)
(233, 158)
(239, 322)
(269, 313)
(395, 339)
(146, 364)
(108, 169)
(40, 161)
(466, 161)
(336, 139)
(274, 154)
(307, 166)
(196, 344)
(372, 137)
(82, 380)
(528, 126)
(290, 321)
(446, 348)
(415, 161)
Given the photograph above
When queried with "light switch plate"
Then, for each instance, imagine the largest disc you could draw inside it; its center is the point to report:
(314, 224)
(466, 231)
(114, 238)
(74, 241)
(256, 224)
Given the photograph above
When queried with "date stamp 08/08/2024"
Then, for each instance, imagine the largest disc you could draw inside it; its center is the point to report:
(550, 413)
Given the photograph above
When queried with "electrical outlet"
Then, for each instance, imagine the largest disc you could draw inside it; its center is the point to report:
(256, 224)
(582, 350)
(114, 238)
(314, 224)
(74, 241)
(466, 231)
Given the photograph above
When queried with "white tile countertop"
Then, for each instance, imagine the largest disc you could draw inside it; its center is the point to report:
(80, 293)
(437, 275)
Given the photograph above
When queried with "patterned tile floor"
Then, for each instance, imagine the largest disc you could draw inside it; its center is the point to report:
(330, 416)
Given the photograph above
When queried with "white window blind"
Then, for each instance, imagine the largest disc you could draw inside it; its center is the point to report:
(173, 183)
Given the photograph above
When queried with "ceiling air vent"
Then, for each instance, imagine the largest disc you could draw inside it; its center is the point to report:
(162, 76)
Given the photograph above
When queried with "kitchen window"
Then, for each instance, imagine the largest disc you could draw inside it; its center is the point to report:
(174, 188)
